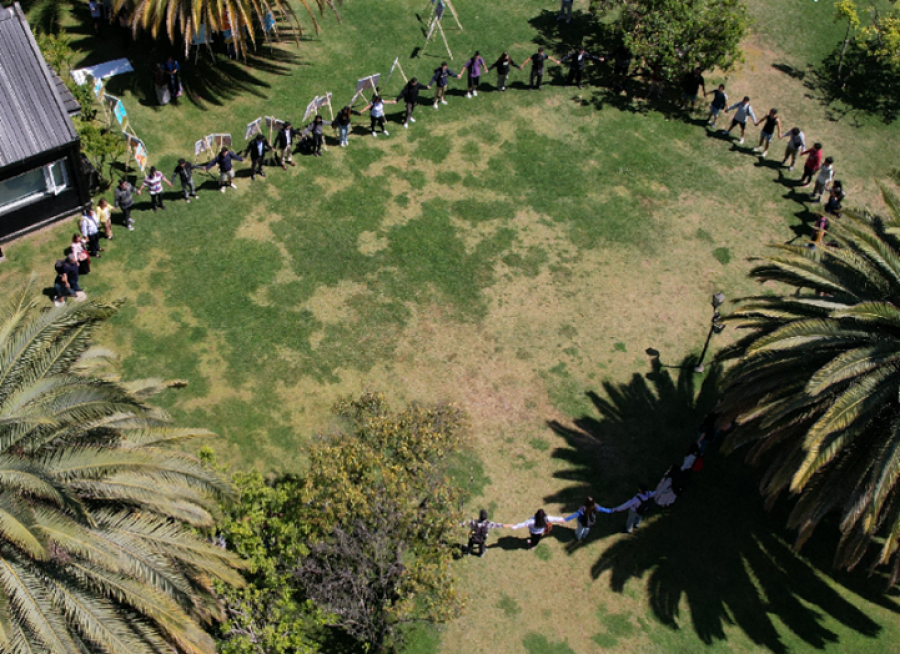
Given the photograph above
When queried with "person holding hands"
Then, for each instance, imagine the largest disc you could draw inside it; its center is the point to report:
(537, 68)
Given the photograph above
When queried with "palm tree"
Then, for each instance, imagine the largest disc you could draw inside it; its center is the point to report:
(815, 386)
(98, 544)
(185, 19)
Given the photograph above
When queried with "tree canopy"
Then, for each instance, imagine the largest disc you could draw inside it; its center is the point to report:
(815, 385)
(99, 543)
(676, 36)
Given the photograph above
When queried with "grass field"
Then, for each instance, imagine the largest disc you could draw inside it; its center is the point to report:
(517, 253)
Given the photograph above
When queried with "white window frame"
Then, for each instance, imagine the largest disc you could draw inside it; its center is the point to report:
(50, 187)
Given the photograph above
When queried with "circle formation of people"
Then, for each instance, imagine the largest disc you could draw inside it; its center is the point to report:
(97, 222)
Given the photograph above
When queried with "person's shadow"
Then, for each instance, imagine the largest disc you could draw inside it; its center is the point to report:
(716, 550)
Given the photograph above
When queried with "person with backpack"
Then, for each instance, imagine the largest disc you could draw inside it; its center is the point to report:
(503, 64)
(478, 532)
(637, 506)
(410, 95)
(538, 526)
(586, 517)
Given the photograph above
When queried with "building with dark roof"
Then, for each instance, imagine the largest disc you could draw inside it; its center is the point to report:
(41, 177)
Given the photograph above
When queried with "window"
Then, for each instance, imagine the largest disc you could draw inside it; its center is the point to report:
(33, 186)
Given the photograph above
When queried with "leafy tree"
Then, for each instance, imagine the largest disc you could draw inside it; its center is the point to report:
(98, 516)
(676, 36)
(269, 615)
(876, 35)
(183, 19)
(815, 384)
(383, 512)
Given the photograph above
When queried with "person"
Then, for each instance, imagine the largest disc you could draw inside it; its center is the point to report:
(473, 67)
(96, 14)
(742, 111)
(565, 10)
(579, 59)
(502, 65)
(184, 171)
(173, 69)
(123, 201)
(376, 113)
(284, 144)
(823, 180)
(317, 130)
(81, 256)
(342, 124)
(796, 142)
(537, 68)
(66, 282)
(441, 76)
(103, 212)
(257, 150)
(771, 124)
(835, 198)
(410, 95)
(161, 82)
(90, 229)
(224, 160)
(691, 86)
(622, 56)
(812, 163)
(672, 485)
(719, 102)
(538, 526)
(478, 532)
(637, 506)
(586, 516)
(154, 183)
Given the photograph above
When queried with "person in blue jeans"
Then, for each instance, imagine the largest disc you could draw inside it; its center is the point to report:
(586, 517)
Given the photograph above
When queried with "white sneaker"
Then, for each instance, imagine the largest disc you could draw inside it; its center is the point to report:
(222, 188)
(405, 125)
(791, 169)
(763, 155)
(130, 228)
(374, 135)
(469, 95)
(233, 186)
(475, 93)
(756, 149)
(411, 119)
(386, 133)
(741, 142)
(443, 101)
(187, 200)
(435, 105)
(59, 303)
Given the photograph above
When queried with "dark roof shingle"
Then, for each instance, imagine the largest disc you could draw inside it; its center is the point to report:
(33, 116)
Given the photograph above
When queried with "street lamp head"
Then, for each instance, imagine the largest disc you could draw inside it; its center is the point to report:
(718, 300)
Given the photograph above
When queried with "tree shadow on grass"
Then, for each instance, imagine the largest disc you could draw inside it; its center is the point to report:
(716, 550)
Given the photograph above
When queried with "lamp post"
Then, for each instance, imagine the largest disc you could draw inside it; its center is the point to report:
(716, 326)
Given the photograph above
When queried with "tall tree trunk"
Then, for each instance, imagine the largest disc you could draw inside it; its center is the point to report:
(841, 58)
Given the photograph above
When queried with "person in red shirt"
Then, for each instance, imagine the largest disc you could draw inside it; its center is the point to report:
(813, 162)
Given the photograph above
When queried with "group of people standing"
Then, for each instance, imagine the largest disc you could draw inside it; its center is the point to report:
(672, 485)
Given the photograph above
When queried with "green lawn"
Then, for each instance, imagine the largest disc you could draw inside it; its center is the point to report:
(516, 253)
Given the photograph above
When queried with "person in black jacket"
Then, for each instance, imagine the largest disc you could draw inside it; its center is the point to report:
(578, 61)
(184, 172)
(502, 65)
(284, 144)
(410, 95)
(317, 130)
(257, 150)
(537, 68)
(226, 168)
(441, 77)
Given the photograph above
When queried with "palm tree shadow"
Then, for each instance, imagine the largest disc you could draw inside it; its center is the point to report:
(716, 554)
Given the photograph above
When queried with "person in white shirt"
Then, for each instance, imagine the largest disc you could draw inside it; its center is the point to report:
(823, 180)
(376, 113)
(90, 229)
(742, 111)
(637, 506)
(539, 526)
